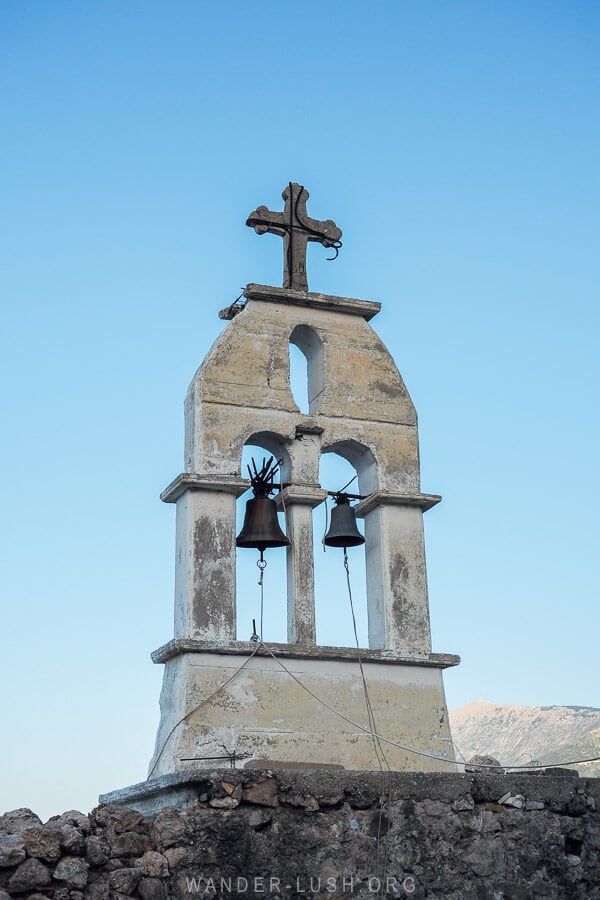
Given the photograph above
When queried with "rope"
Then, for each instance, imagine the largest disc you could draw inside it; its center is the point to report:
(232, 306)
(371, 732)
(323, 239)
(326, 526)
(262, 565)
(203, 703)
(379, 752)
(370, 714)
(346, 718)
(398, 746)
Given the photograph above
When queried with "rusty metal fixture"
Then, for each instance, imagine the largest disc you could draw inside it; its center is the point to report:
(343, 530)
(261, 529)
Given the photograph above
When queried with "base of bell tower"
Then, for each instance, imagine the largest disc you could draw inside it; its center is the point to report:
(246, 704)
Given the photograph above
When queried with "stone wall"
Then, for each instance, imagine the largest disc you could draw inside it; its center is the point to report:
(326, 833)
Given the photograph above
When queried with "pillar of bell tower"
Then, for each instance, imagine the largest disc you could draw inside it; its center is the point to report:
(298, 502)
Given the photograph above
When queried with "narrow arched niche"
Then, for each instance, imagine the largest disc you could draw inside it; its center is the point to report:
(299, 378)
(248, 605)
(333, 612)
(306, 339)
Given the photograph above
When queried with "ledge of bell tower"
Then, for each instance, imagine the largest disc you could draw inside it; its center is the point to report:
(177, 646)
(267, 294)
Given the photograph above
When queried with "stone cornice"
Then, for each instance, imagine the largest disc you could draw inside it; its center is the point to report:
(389, 498)
(305, 494)
(365, 308)
(189, 481)
(178, 646)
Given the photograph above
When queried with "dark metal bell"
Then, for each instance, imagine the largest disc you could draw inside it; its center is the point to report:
(343, 530)
(261, 526)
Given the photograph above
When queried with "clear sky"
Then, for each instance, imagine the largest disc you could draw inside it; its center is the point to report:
(457, 145)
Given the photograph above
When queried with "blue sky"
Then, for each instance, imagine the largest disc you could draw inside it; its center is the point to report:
(457, 146)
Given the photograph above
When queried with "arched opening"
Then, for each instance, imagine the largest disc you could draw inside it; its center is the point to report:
(362, 460)
(333, 610)
(299, 378)
(306, 368)
(273, 609)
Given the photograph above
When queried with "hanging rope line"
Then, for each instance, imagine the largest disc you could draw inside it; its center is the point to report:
(459, 751)
(379, 752)
(368, 731)
(262, 565)
(348, 483)
(204, 703)
(304, 226)
(326, 526)
(234, 307)
(370, 715)
(399, 746)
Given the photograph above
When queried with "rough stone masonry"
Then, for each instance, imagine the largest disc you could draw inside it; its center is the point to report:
(318, 834)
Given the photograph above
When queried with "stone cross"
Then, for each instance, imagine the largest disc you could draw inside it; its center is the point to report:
(297, 229)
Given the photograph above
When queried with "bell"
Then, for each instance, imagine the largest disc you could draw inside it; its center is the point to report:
(343, 530)
(261, 526)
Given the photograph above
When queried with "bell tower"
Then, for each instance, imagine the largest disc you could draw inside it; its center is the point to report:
(250, 703)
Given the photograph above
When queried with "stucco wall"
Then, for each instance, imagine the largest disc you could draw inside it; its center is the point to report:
(264, 715)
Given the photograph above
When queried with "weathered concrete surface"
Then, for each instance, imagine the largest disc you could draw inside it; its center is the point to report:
(205, 587)
(298, 502)
(295, 651)
(262, 712)
(360, 391)
(358, 407)
(436, 836)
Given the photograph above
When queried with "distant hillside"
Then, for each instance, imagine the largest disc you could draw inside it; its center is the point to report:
(517, 734)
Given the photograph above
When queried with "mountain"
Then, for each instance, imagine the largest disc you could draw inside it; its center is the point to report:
(518, 735)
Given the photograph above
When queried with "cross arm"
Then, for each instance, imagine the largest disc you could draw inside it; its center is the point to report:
(263, 219)
(326, 233)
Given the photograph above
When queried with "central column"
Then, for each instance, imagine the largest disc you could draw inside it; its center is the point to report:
(298, 502)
